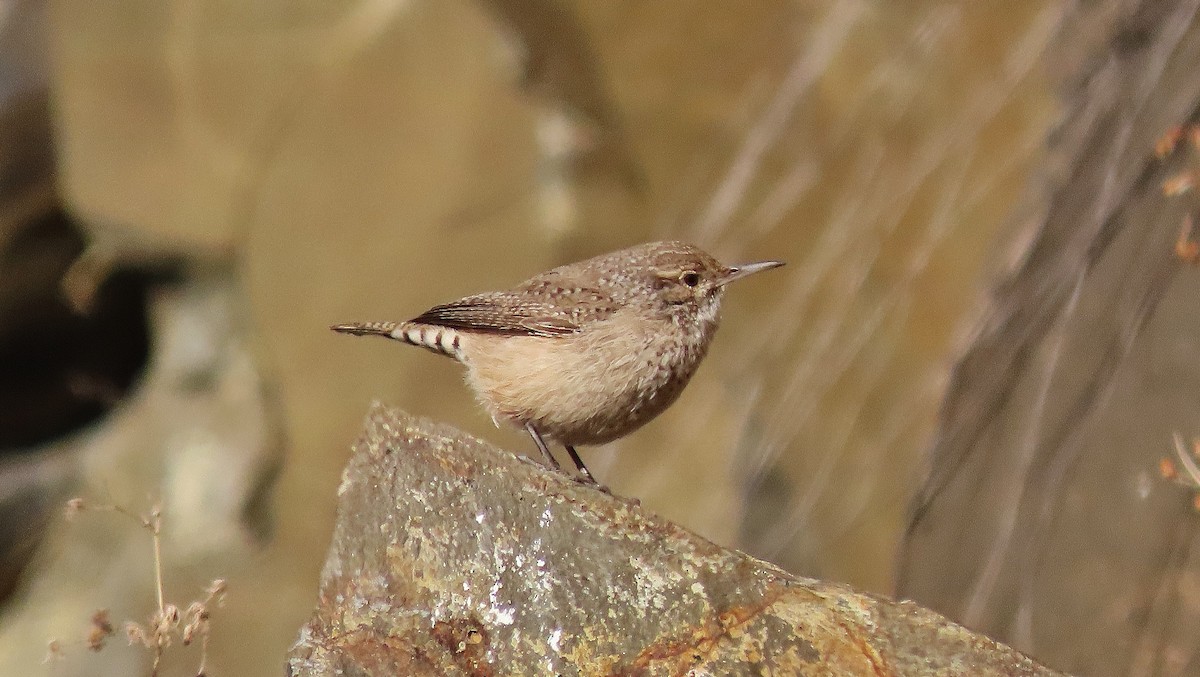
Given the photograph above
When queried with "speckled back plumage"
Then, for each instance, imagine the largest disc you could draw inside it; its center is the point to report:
(561, 300)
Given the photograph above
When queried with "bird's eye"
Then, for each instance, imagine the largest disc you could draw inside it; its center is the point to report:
(690, 278)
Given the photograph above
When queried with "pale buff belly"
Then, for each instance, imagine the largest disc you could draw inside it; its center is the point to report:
(586, 388)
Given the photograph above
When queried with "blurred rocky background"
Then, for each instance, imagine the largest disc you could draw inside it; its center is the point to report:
(190, 193)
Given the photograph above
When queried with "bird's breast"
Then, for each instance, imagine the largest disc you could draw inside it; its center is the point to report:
(588, 387)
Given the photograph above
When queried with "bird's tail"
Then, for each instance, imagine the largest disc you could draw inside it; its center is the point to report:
(388, 329)
(441, 340)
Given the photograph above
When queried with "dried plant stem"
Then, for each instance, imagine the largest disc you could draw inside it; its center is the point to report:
(203, 669)
(160, 625)
(167, 622)
(1186, 460)
(158, 574)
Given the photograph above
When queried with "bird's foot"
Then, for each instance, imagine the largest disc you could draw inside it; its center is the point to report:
(581, 479)
(589, 481)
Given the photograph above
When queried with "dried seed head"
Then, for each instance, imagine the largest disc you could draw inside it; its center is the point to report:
(54, 651)
(216, 590)
(136, 634)
(196, 622)
(1166, 468)
(99, 630)
(164, 622)
(1165, 145)
(73, 508)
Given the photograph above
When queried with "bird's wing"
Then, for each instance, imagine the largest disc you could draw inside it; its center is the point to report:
(530, 310)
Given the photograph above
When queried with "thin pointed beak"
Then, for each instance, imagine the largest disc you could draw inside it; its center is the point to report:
(738, 272)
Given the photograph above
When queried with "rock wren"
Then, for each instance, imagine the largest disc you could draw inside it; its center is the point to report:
(583, 353)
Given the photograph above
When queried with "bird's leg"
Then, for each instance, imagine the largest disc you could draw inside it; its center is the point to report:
(541, 445)
(587, 474)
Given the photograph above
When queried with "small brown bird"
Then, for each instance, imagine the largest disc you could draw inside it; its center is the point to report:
(583, 353)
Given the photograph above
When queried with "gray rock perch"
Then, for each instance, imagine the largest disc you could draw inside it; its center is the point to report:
(453, 557)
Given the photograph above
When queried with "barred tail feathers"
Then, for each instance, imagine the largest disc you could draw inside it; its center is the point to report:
(441, 340)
